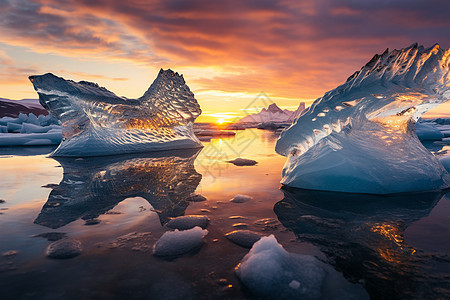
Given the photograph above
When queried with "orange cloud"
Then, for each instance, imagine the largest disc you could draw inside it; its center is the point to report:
(287, 49)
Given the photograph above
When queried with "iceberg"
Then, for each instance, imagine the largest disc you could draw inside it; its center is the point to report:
(178, 242)
(360, 137)
(97, 122)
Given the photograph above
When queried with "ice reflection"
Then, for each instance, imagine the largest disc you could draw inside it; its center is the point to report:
(92, 186)
(363, 237)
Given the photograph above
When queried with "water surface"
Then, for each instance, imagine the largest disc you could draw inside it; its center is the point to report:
(117, 206)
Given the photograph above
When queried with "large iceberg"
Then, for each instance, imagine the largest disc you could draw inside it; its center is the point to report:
(360, 136)
(97, 122)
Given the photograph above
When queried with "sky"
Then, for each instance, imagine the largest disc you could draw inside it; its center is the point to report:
(236, 56)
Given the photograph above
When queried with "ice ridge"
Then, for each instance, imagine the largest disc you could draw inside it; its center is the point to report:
(95, 121)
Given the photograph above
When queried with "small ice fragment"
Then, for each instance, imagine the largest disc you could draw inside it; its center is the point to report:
(240, 225)
(51, 236)
(237, 218)
(188, 222)
(428, 132)
(196, 198)
(174, 243)
(270, 272)
(92, 222)
(64, 248)
(10, 253)
(244, 238)
(13, 127)
(243, 162)
(239, 198)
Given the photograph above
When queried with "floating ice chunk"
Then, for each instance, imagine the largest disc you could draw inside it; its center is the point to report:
(174, 243)
(241, 198)
(240, 225)
(5, 120)
(445, 161)
(53, 137)
(196, 198)
(23, 117)
(97, 122)
(64, 248)
(244, 238)
(32, 119)
(188, 222)
(32, 128)
(13, 127)
(51, 236)
(243, 162)
(370, 145)
(428, 132)
(269, 271)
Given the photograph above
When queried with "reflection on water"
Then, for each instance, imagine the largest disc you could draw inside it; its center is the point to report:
(362, 236)
(92, 186)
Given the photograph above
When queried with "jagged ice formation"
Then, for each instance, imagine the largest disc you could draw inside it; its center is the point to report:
(360, 136)
(97, 122)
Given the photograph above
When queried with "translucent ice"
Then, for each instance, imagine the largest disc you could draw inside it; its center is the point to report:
(97, 122)
(174, 243)
(188, 222)
(270, 272)
(428, 132)
(360, 136)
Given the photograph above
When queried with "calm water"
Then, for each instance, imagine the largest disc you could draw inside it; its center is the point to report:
(397, 247)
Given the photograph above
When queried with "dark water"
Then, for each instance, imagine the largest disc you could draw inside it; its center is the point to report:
(397, 247)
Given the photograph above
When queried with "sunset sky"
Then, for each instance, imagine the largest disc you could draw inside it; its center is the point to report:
(228, 51)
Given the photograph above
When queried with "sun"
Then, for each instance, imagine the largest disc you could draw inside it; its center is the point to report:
(220, 121)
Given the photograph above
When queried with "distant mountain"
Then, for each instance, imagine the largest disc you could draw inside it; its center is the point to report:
(273, 114)
(12, 108)
(297, 112)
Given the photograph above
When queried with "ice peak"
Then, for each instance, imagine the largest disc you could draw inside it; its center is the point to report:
(376, 106)
(274, 108)
(97, 122)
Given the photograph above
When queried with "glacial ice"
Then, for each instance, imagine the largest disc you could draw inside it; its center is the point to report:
(239, 198)
(270, 272)
(243, 162)
(360, 136)
(97, 122)
(64, 248)
(243, 237)
(427, 131)
(29, 130)
(188, 222)
(178, 242)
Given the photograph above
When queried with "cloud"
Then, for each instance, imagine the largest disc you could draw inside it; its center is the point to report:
(286, 48)
(94, 76)
(11, 73)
